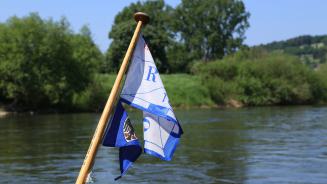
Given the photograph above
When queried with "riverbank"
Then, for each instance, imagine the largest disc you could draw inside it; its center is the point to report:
(226, 84)
(185, 91)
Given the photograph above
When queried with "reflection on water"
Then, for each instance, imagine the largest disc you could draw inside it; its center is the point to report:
(256, 145)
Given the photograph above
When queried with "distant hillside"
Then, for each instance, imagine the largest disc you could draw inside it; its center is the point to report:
(311, 49)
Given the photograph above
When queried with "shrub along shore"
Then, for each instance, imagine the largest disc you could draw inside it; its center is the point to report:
(47, 67)
(229, 84)
(258, 78)
(247, 78)
(184, 91)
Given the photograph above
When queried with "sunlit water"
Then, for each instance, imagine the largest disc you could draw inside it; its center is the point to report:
(255, 145)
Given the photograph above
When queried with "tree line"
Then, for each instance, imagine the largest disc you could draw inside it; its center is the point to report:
(46, 65)
(195, 30)
(310, 49)
(43, 63)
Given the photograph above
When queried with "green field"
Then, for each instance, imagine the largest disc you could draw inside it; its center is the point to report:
(183, 91)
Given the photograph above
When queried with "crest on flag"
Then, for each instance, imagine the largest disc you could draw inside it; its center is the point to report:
(120, 133)
(129, 132)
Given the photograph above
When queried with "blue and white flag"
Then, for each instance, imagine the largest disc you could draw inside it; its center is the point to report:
(144, 90)
(160, 136)
(120, 133)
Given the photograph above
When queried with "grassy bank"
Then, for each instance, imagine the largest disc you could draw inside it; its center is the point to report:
(247, 78)
(186, 91)
(255, 78)
(183, 91)
(250, 78)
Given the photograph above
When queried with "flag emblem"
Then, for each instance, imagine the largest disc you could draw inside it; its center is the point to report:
(129, 132)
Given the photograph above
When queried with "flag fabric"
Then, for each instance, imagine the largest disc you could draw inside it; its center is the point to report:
(120, 133)
(143, 89)
(161, 136)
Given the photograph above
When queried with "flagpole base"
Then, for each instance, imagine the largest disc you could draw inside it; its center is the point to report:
(140, 16)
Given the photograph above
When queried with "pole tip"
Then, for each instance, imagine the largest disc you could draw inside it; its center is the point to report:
(140, 16)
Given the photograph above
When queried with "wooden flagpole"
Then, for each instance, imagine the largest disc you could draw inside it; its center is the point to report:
(141, 19)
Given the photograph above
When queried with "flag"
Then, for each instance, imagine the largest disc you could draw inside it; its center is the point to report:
(120, 133)
(143, 89)
(160, 136)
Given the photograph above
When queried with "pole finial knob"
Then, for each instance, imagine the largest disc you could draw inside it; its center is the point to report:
(140, 16)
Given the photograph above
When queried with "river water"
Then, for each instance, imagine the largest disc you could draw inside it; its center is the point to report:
(255, 145)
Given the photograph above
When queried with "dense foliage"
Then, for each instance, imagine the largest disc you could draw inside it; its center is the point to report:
(310, 49)
(157, 33)
(195, 30)
(43, 63)
(258, 78)
(211, 29)
(183, 91)
(249, 77)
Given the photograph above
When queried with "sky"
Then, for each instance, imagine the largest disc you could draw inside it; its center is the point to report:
(270, 20)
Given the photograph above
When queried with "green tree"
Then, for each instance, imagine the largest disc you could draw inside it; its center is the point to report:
(87, 53)
(311, 49)
(211, 29)
(42, 63)
(157, 33)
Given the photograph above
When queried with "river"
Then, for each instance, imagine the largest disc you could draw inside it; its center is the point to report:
(250, 145)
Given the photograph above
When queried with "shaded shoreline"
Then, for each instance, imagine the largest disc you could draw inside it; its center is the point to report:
(4, 113)
(229, 105)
